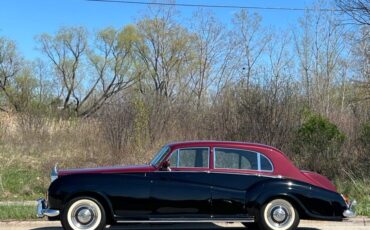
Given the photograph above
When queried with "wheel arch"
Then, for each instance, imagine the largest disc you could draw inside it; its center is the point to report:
(302, 211)
(101, 198)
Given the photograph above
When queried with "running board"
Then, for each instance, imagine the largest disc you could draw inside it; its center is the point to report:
(173, 220)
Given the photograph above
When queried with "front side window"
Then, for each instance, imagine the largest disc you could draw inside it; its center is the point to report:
(159, 156)
(241, 159)
(190, 158)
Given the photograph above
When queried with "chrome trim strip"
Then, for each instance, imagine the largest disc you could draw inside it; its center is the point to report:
(178, 158)
(258, 159)
(174, 220)
(208, 171)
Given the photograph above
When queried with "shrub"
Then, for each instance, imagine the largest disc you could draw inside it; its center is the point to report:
(365, 135)
(317, 145)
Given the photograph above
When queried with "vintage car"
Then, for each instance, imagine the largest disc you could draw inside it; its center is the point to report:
(197, 181)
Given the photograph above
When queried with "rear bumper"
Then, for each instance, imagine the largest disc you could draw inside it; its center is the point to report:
(43, 210)
(350, 211)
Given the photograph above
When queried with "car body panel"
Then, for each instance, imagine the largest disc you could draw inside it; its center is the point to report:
(147, 192)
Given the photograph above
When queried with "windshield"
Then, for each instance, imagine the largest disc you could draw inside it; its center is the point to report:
(160, 155)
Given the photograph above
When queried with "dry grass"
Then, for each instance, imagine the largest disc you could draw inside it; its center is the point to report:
(29, 147)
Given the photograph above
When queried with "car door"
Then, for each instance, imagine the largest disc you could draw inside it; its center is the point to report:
(129, 194)
(184, 190)
(234, 171)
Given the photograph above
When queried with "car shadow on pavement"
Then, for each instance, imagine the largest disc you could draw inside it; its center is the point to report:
(203, 226)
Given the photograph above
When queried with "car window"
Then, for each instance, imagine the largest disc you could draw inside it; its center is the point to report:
(235, 159)
(159, 156)
(190, 158)
(266, 164)
(241, 159)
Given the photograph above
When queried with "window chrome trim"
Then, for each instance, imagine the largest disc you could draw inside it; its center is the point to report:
(178, 154)
(258, 160)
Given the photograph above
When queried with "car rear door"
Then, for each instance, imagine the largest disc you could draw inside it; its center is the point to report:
(184, 191)
(233, 172)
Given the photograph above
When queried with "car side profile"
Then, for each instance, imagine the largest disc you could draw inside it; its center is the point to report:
(196, 181)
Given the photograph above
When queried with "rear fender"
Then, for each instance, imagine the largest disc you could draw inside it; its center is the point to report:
(263, 193)
(311, 202)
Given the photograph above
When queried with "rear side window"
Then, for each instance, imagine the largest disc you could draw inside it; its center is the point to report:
(265, 163)
(241, 159)
(190, 158)
(235, 159)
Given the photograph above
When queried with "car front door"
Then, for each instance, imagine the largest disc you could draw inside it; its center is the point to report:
(183, 191)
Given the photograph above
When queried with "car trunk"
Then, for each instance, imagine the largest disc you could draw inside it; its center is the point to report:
(324, 182)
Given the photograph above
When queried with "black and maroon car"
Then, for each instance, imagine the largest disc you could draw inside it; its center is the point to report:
(198, 181)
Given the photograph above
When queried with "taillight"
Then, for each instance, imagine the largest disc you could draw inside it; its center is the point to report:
(346, 199)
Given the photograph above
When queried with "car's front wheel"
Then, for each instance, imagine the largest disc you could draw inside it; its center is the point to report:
(278, 214)
(83, 213)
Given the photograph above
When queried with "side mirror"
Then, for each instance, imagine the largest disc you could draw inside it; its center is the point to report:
(165, 166)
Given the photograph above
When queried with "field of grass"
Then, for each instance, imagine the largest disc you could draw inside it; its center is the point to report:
(17, 212)
(21, 178)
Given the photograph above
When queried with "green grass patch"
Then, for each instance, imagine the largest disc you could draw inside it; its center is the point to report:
(21, 183)
(10, 212)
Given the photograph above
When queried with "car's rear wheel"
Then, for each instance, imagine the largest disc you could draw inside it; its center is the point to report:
(83, 213)
(278, 214)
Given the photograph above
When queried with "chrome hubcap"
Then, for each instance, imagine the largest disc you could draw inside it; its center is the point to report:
(279, 214)
(84, 215)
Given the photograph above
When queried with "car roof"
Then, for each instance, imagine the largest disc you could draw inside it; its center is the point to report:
(215, 142)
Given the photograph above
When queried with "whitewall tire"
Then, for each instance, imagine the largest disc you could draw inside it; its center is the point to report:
(278, 214)
(83, 213)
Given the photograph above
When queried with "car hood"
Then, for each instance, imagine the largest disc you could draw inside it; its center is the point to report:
(112, 169)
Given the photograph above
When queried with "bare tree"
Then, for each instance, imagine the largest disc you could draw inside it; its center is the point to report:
(358, 10)
(210, 50)
(164, 51)
(68, 52)
(321, 50)
(112, 61)
(117, 122)
(249, 40)
(10, 66)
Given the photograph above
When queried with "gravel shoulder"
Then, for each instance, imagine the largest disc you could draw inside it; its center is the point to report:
(353, 224)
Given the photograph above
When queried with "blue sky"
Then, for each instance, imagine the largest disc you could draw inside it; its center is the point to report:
(22, 20)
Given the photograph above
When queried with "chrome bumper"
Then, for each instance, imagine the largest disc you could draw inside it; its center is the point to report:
(350, 212)
(42, 209)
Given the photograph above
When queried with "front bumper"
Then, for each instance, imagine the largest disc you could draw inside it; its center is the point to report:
(43, 210)
(350, 211)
